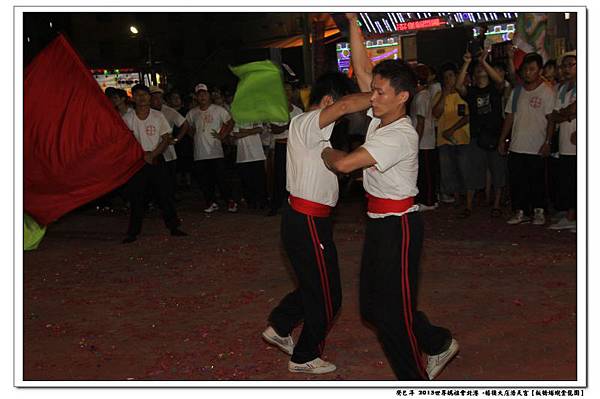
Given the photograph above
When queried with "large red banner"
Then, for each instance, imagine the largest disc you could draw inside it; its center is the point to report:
(76, 146)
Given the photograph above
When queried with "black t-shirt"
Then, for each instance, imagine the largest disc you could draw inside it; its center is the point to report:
(485, 110)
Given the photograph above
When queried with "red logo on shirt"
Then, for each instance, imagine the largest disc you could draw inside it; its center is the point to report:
(535, 102)
(207, 118)
(150, 130)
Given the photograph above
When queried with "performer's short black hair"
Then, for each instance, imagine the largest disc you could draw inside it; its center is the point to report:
(334, 84)
(400, 75)
(141, 87)
(531, 58)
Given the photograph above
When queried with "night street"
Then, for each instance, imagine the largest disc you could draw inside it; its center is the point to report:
(193, 308)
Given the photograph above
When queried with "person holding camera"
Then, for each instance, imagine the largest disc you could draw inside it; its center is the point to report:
(452, 113)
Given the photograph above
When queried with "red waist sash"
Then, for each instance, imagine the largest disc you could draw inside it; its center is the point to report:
(309, 208)
(386, 205)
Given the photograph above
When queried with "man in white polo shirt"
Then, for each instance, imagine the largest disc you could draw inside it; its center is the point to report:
(394, 232)
(210, 125)
(175, 119)
(306, 227)
(152, 131)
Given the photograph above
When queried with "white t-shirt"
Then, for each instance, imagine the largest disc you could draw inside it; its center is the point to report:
(249, 148)
(175, 119)
(529, 124)
(205, 123)
(565, 98)
(294, 112)
(433, 89)
(173, 116)
(395, 147)
(421, 106)
(148, 131)
(307, 176)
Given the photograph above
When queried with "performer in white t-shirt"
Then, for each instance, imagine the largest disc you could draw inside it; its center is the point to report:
(306, 227)
(175, 119)
(250, 159)
(119, 99)
(152, 131)
(422, 120)
(280, 135)
(394, 232)
(565, 115)
(526, 111)
(210, 125)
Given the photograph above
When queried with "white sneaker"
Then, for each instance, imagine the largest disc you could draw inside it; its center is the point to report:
(315, 366)
(436, 363)
(563, 223)
(213, 207)
(232, 207)
(423, 207)
(538, 217)
(286, 344)
(518, 218)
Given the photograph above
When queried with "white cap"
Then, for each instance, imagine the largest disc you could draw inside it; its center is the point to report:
(155, 89)
(200, 86)
(572, 53)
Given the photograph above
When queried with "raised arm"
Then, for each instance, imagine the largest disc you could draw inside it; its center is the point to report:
(497, 79)
(345, 105)
(460, 80)
(360, 60)
(512, 72)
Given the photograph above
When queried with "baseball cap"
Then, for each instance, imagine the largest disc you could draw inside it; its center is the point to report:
(572, 53)
(155, 89)
(200, 86)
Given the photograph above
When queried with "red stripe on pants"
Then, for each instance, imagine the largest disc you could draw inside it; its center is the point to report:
(323, 273)
(408, 317)
(318, 259)
(329, 304)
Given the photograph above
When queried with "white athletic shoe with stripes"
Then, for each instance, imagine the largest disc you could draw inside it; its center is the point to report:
(286, 344)
(315, 366)
(436, 363)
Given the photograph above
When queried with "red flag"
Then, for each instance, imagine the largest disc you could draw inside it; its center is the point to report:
(76, 146)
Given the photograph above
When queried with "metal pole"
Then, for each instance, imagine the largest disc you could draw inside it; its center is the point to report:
(150, 61)
(306, 49)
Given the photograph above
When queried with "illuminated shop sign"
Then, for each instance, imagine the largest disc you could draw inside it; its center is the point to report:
(421, 24)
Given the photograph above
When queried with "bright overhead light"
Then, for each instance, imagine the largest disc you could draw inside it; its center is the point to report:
(134, 30)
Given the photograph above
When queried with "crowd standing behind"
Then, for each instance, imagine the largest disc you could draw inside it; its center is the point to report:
(488, 133)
